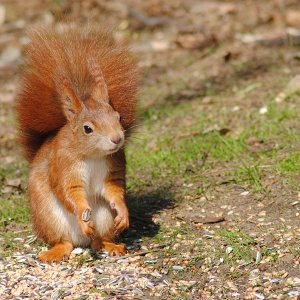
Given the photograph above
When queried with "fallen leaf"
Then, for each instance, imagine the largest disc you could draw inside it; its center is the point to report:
(293, 18)
(195, 41)
(147, 21)
(160, 45)
(254, 141)
(7, 190)
(12, 185)
(267, 40)
(14, 182)
(215, 127)
(209, 220)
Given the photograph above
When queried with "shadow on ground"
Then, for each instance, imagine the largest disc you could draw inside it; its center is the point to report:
(142, 208)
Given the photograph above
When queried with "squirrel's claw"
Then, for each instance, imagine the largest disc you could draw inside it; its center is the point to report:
(121, 223)
(87, 228)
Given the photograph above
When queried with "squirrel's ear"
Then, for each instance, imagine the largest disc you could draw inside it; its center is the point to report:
(100, 91)
(71, 104)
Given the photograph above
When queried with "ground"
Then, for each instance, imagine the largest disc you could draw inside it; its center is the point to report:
(213, 167)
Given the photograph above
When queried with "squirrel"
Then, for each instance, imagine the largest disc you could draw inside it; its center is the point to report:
(76, 107)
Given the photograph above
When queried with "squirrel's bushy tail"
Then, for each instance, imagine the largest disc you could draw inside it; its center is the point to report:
(51, 55)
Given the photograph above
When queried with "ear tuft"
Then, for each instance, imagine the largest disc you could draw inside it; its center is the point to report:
(71, 104)
(100, 91)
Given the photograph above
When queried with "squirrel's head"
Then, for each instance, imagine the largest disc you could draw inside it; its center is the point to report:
(95, 124)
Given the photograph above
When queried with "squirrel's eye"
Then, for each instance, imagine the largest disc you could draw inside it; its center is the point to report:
(87, 129)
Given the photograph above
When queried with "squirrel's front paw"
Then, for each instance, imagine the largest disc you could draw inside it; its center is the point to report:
(87, 228)
(85, 224)
(122, 218)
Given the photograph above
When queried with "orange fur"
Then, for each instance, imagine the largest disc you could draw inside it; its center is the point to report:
(111, 248)
(75, 108)
(51, 56)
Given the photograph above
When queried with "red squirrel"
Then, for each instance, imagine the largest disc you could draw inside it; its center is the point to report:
(76, 106)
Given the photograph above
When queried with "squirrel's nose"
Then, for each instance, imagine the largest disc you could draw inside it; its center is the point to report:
(116, 140)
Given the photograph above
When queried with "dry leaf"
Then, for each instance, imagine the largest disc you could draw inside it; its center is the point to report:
(14, 182)
(209, 220)
(195, 41)
(293, 18)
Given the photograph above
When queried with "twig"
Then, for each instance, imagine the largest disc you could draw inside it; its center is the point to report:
(209, 220)
(146, 20)
(140, 253)
(282, 8)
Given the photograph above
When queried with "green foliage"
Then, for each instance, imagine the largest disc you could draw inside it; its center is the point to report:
(290, 163)
(13, 210)
(239, 241)
(249, 175)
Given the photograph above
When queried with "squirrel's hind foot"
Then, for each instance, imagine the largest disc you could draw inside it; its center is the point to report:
(112, 248)
(59, 252)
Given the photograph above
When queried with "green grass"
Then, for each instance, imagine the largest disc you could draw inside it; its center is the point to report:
(244, 91)
(174, 139)
(236, 275)
(290, 163)
(175, 149)
(14, 205)
(249, 175)
(14, 209)
(273, 257)
(239, 241)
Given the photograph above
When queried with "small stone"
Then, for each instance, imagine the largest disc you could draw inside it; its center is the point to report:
(122, 260)
(245, 193)
(258, 257)
(263, 110)
(293, 293)
(294, 281)
(259, 296)
(177, 268)
(275, 280)
(150, 261)
(149, 285)
(229, 250)
(254, 274)
(77, 251)
(98, 271)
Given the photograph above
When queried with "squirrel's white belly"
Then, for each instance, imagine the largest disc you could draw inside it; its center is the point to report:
(66, 223)
(94, 173)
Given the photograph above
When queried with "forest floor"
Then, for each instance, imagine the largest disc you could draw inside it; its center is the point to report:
(213, 168)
